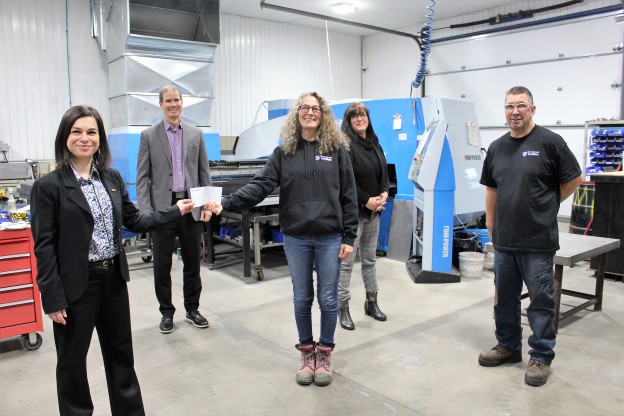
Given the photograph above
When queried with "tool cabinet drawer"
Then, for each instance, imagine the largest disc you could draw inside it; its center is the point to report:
(14, 261)
(14, 246)
(15, 278)
(17, 313)
(16, 293)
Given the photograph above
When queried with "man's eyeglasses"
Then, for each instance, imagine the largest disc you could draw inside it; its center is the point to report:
(520, 107)
(303, 109)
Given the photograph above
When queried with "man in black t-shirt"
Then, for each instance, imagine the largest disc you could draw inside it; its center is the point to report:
(528, 172)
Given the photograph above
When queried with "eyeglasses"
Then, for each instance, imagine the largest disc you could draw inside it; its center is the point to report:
(520, 107)
(303, 109)
(359, 115)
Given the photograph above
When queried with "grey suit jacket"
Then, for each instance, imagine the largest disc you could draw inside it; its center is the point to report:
(154, 169)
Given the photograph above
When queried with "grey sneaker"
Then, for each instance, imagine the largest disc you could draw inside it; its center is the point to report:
(537, 373)
(499, 355)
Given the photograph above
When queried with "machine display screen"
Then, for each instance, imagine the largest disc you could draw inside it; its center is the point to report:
(421, 150)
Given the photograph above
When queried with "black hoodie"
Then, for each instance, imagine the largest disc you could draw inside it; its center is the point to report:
(317, 192)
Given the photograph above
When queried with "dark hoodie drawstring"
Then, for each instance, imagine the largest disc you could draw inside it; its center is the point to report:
(305, 162)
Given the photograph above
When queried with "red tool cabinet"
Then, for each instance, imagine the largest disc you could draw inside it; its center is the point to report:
(20, 302)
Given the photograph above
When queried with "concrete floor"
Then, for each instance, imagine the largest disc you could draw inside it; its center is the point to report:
(422, 361)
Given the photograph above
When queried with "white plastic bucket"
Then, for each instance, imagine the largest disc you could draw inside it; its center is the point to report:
(470, 264)
(488, 263)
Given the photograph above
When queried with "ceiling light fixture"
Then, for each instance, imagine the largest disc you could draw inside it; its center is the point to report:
(343, 8)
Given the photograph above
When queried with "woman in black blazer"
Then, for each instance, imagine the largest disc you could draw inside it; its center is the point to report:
(371, 182)
(77, 212)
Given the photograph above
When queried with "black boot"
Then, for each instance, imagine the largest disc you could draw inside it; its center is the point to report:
(371, 309)
(345, 316)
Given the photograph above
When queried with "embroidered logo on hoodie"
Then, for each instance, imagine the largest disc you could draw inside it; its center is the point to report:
(325, 158)
(531, 153)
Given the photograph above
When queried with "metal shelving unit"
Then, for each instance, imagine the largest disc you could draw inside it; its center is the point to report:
(604, 146)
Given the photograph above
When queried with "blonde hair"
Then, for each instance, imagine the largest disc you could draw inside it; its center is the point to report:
(329, 136)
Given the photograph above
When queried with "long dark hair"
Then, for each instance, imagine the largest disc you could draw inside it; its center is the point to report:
(101, 158)
(352, 110)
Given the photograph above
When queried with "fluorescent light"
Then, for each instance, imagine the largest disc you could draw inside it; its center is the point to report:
(343, 8)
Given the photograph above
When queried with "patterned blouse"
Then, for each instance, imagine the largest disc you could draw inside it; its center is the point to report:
(103, 244)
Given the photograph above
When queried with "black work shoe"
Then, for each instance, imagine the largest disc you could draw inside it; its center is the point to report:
(196, 319)
(166, 324)
(537, 373)
(499, 355)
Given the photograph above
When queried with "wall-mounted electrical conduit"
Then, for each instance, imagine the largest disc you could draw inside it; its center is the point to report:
(264, 5)
(555, 19)
(519, 15)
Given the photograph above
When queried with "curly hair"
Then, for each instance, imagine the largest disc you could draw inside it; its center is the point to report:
(329, 136)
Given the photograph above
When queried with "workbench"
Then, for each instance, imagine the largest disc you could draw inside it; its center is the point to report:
(247, 220)
(575, 248)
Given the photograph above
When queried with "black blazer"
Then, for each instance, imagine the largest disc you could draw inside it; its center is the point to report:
(62, 226)
(366, 181)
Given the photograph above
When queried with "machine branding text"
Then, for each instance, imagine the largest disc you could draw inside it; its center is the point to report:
(472, 157)
(446, 232)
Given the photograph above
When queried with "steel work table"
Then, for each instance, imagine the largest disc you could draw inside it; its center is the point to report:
(246, 220)
(574, 248)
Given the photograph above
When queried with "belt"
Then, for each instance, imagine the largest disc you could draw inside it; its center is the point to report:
(179, 195)
(102, 263)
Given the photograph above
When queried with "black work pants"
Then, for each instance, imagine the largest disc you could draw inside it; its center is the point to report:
(189, 232)
(105, 307)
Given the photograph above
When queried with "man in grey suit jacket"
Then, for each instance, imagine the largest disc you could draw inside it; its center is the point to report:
(173, 159)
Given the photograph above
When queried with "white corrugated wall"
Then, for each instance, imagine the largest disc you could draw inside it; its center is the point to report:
(392, 61)
(570, 66)
(34, 73)
(259, 60)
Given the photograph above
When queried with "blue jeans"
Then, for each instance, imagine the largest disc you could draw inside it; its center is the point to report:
(304, 253)
(535, 269)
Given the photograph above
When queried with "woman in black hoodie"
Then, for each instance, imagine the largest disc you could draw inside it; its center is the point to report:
(318, 216)
(371, 179)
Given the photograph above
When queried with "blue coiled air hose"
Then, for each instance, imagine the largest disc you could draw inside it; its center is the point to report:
(424, 48)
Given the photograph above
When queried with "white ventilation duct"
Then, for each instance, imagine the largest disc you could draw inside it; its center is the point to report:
(151, 43)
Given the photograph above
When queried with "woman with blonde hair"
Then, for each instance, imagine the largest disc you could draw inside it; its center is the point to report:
(318, 215)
